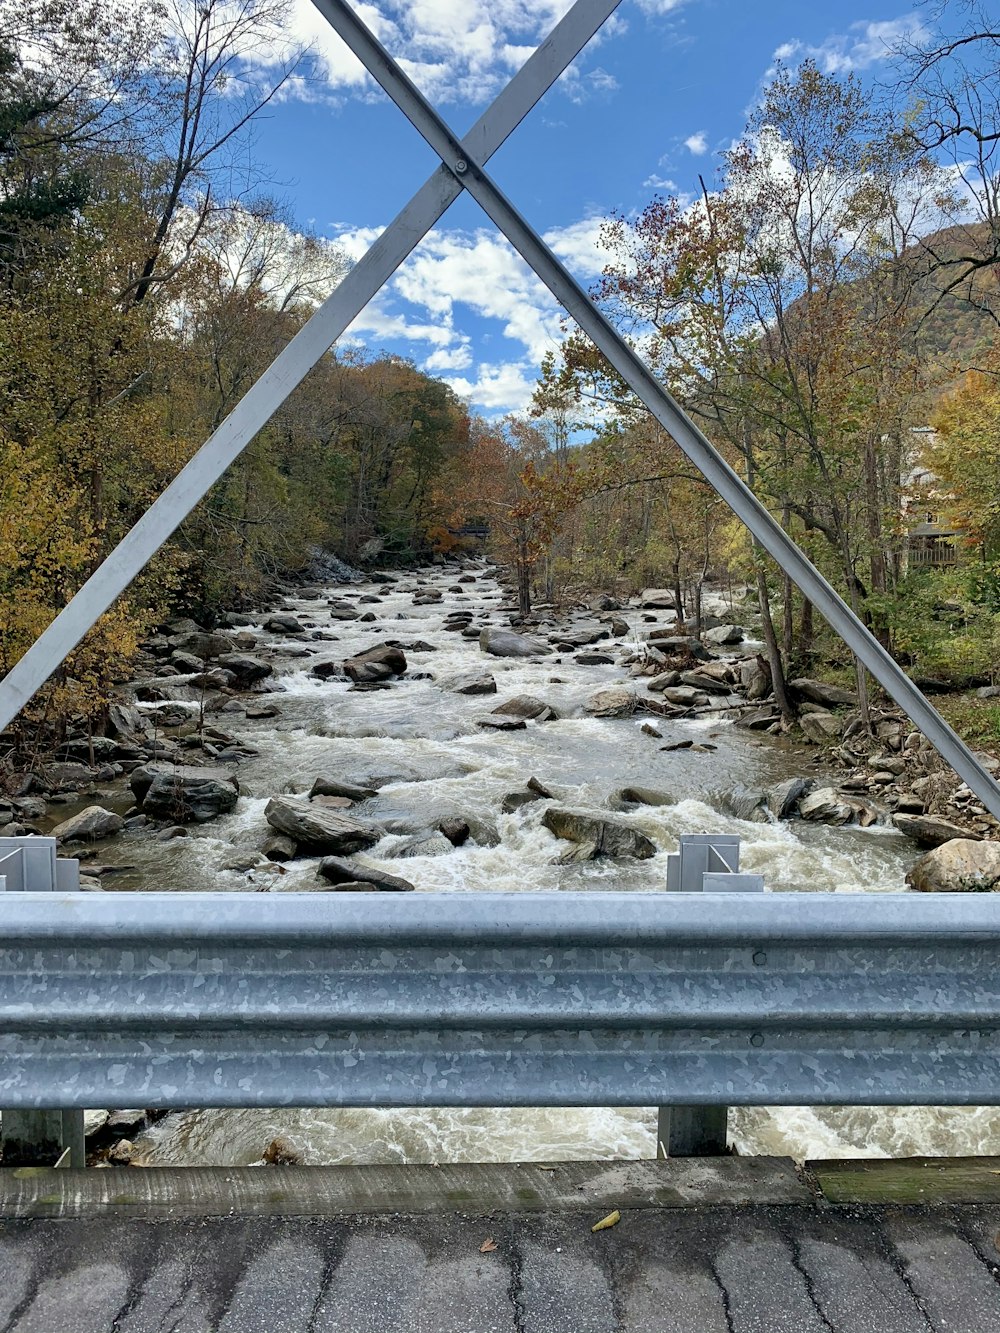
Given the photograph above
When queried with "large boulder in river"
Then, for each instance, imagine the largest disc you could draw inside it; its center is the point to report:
(183, 794)
(596, 836)
(88, 825)
(245, 668)
(318, 830)
(615, 701)
(826, 806)
(203, 644)
(378, 663)
(526, 705)
(959, 866)
(505, 643)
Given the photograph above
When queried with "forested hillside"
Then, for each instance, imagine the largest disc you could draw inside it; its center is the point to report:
(147, 278)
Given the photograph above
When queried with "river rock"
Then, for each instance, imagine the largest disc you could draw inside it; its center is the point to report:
(684, 695)
(819, 692)
(283, 624)
(259, 711)
(353, 791)
(672, 644)
(594, 659)
(88, 825)
(279, 847)
(183, 794)
(666, 678)
(203, 644)
(644, 796)
(317, 830)
(245, 668)
(422, 844)
(456, 831)
(820, 727)
(712, 676)
(186, 663)
(783, 797)
(505, 643)
(616, 701)
(657, 599)
(724, 634)
(342, 872)
(749, 803)
(501, 722)
(961, 865)
(377, 664)
(526, 705)
(759, 720)
(482, 684)
(514, 800)
(928, 831)
(826, 806)
(125, 722)
(755, 678)
(603, 837)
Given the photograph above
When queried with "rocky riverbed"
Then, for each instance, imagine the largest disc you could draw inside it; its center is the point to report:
(408, 733)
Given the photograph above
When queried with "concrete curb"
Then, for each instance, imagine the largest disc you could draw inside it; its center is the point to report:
(337, 1191)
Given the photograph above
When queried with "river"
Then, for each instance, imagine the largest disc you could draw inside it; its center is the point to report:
(418, 741)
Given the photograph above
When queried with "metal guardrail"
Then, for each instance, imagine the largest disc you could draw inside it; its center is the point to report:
(498, 999)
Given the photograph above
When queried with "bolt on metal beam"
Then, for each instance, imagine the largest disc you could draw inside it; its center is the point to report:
(293, 363)
(640, 379)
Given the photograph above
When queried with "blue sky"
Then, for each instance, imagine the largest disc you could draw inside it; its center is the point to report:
(649, 105)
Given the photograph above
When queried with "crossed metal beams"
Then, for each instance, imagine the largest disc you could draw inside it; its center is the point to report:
(463, 167)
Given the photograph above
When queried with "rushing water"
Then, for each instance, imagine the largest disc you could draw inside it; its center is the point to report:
(419, 741)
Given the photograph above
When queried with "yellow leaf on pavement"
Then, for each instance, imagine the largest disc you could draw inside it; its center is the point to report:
(611, 1220)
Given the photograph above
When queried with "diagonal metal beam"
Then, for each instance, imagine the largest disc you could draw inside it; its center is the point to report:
(293, 363)
(661, 404)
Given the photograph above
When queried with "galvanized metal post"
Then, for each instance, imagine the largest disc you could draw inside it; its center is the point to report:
(699, 1131)
(40, 1138)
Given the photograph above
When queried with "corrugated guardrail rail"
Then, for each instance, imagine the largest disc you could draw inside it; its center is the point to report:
(487, 999)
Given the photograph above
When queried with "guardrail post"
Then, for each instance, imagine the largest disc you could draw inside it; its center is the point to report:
(42, 1138)
(703, 862)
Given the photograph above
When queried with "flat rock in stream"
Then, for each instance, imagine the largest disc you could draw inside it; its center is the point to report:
(503, 722)
(505, 643)
(826, 806)
(342, 873)
(317, 830)
(353, 791)
(644, 796)
(929, 831)
(597, 836)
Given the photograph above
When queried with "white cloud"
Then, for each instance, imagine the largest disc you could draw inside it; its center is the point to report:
(454, 50)
(863, 45)
(501, 387)
(697, 143)
(579, 246)
(461, 284)
(655, 182)
(659, 6)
